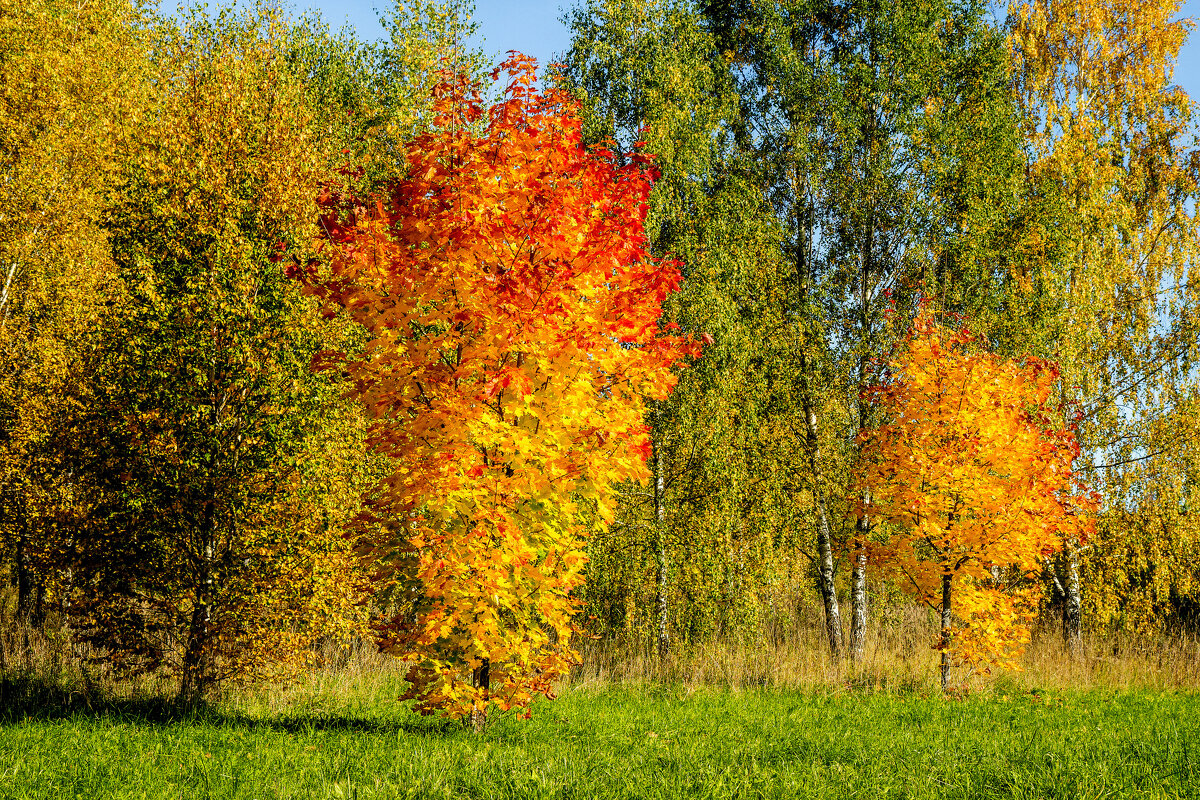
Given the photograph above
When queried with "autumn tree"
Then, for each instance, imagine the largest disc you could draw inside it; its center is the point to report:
(1114, 139)
(217, 469)
(424, 38)
(511, 313)
(972, 472)
(71, 86)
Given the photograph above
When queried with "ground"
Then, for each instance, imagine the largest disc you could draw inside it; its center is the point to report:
(617, 741)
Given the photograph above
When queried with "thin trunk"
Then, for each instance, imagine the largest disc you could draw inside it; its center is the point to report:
(1072, 608)
(802, 250)
(858, 592)
(197, 675)
(660, 552)
(833, 617)
(24, 598)
(944, 645)
(862, 526)
(481, 679)
(825, 585)
(24, 580)
(8, 279)
(730, 603)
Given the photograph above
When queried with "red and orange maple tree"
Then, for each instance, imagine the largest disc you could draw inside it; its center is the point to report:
(972, 475)
(512, 315)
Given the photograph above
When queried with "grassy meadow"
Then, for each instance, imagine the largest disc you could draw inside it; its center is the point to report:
(711, 726)
(625, 742)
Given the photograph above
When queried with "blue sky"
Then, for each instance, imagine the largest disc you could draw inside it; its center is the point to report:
(533, 27)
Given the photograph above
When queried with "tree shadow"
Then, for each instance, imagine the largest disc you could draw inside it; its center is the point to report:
(34, 698)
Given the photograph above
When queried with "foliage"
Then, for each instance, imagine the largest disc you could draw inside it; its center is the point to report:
(71, 81)
(1141, 569)
(424, 38)
(1115, 140)
(974, 479)
(175, 477)
(816, 158)
(367, 99)
(511, 311)
(650, 71)
(217, 470)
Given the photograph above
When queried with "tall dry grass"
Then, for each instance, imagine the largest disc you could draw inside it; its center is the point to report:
(794, 654)
(350, 676)
(40, 665)
(42, 670)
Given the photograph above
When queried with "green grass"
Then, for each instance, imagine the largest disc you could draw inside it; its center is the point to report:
(619, 742)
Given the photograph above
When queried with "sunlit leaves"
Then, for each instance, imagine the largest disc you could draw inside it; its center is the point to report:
(1115, 138)
(971, 475)
(70, 87)
(218, 468)
(512, 313)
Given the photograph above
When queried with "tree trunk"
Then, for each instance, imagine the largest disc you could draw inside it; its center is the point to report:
(24, 580)
(804, 220)
(862, 526)
(193, 683)
(660, 552)
(825, 585)
(197, 675)
(858, 593)
(8, 279)
(24, 598)
(481, 679)
(944, 645)
(833, 617)
(1073, 605)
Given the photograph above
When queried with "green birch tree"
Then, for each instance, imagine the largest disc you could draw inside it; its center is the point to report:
(680, 560)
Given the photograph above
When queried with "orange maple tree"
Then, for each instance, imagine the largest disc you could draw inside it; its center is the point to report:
(512, 315)
(971, 474)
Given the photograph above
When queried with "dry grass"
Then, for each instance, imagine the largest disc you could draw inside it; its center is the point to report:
(352, 675)
(41, 664)
(896, 657)
(1120, 661)
(786, 654)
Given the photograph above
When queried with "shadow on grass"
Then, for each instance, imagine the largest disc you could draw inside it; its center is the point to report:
(24, 699)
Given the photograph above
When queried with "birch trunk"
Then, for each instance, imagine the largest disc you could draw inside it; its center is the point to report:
(862, 526)
(804, 221)
(833, 617)
(8, 279)
(858, 594)
(660, 552)
(825, 585)
(1073, 605)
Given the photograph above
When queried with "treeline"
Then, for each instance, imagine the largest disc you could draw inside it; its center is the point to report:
(183, 494)
(177, 481)
(824, 166)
